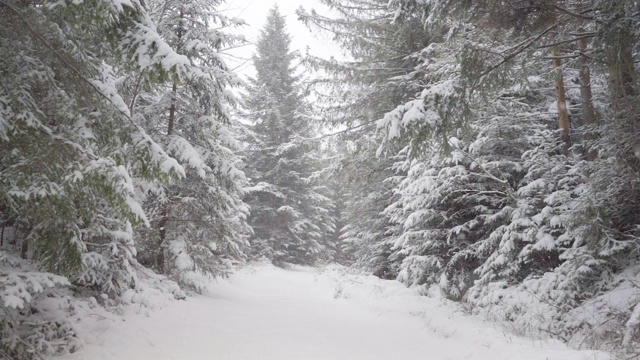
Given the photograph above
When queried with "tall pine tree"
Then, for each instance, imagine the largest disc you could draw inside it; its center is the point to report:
(290, 214)
(199, 222)
(69, 150)
(382, 73)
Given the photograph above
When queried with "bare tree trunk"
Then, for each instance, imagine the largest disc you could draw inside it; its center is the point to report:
(588, 111)
(563, 112)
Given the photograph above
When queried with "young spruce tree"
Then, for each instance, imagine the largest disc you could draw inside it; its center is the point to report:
(290, 216)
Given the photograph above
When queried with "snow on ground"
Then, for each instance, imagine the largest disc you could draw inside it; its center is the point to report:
(265, 313)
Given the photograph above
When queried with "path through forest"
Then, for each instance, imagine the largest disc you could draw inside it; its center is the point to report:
(268, 313)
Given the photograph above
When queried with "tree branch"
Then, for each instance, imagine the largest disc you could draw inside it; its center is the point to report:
(518, 49)
(64, 61)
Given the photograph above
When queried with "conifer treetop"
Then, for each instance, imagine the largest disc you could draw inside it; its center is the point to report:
(273, 58)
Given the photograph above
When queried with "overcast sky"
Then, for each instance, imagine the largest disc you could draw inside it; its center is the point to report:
(254, 12)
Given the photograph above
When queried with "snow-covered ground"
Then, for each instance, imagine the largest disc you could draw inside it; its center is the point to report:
(264, 312)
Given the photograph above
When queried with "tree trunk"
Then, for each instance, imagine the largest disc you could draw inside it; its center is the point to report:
(136, 92)
(563, 112)
(162, 225)
(165, 212)
(622, 68)
(588, 110)
(623, 79)
(24, 250)
(166, 208)
(172, 109)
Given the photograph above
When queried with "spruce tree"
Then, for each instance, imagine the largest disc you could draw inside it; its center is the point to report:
(290, 212)
(380, 75)
(198, 222)
(70, 148)
(69, 151)
(513, 191)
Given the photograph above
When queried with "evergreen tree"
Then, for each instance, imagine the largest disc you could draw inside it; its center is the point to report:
(69, 152)
(70, 147)
(357, 94)
(199, 222)
(518, 173)
(290, 210)
(368, 233)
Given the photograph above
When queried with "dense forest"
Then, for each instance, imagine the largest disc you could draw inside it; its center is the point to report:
(489, 150)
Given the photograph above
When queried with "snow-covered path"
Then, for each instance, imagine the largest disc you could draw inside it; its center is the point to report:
(298, 314)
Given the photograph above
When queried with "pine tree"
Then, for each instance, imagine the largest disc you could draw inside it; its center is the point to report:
(199, 222)
(70, 146)
(69, 152)
(368, 232)
(290, 210)
(357, 94)
(566, 236)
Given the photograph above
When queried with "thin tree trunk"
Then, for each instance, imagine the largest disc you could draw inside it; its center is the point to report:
(623, 81)
(136, 92)
(623, 70)
(162, 224)
(24, 251)
(563, 112)
(588, 110)
(165, 211)
(172, 109)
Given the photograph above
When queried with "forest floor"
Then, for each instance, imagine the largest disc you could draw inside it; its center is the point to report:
(263, 312)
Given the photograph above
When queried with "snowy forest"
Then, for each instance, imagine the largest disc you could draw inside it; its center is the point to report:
(488, 151)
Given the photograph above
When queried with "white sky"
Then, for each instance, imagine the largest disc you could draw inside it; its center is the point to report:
(254, 13)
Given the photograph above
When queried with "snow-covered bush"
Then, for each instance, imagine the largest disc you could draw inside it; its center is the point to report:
(30, 322)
